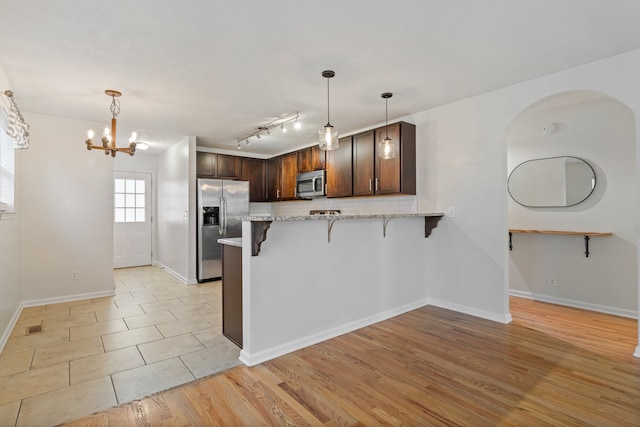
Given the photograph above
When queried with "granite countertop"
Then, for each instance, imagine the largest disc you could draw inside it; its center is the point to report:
(332, 217)
(231, 241)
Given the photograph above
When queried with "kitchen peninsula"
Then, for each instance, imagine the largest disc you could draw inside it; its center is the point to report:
(303, 289)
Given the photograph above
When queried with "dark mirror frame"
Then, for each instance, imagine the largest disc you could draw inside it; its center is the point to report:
(552, 206)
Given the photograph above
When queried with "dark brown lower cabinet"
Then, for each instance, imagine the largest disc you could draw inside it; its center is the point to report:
(232, 293)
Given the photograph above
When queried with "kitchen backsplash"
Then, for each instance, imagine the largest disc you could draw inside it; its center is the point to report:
(364, 205)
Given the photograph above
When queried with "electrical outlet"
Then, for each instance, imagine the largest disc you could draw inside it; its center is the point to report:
(452, 212)
(552, 281)
(74, 275)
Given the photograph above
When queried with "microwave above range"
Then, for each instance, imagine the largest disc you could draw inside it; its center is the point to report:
(311, 184)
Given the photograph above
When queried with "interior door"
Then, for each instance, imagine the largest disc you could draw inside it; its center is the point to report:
(132, 219)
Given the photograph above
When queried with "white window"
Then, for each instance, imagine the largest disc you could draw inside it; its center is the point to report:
(129, 200)
(7, 160)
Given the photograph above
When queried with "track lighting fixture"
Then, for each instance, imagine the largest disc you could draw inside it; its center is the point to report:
(328, 136)
(266, 128)
(386, 147)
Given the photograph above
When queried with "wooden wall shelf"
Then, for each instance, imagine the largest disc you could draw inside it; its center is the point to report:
(587, 236)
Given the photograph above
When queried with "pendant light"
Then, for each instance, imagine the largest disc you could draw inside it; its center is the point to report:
(386, 147)
(328, 136)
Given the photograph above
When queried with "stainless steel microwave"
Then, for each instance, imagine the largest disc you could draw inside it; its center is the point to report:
(311, 184)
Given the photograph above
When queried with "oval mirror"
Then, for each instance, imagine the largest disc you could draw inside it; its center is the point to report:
(553, 182)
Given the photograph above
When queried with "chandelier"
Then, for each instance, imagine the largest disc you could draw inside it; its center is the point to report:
(109, 134)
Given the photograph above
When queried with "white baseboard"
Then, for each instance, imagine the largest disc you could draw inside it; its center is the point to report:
(12, 323)
(637, 352)
(45, 301)
(250, 359)
(473, 311)
(575, 304)
(175, 274)
(67, 298)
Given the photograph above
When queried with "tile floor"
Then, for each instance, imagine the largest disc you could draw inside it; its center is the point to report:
(156, 333)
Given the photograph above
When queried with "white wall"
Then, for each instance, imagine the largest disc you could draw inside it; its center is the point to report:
(600, 130)
(10, 250)
(301, 289)
(176, 195)
(66, 213)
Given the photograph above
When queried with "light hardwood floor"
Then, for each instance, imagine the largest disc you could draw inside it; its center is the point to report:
(156, 333)
(552, 366)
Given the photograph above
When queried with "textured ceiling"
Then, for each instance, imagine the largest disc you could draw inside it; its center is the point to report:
(219, 69)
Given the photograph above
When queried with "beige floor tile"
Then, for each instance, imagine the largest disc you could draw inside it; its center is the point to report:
(13, 363)
(211, 360)
(9, 414)
(209, 337)
(119, 313)
(163, 305)
(75, 320)
(33, 382)
(97, 329)
(94, 306)
(195, 300)
(103, 364)
(214, 319)
(64, 405)
(149, 379)
(186, 312)
(29, 342)
(169, 347)
(51, 355)
(149, 319)
(172, 295)
(133, 337)
(183, 326)
(138, 299)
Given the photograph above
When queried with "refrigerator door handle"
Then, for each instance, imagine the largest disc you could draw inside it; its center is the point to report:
(223, 217)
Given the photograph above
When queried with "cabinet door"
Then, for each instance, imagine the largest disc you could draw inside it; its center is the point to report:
(232, 293)
(253, 170)
(398, 175)
(205, 164)
(304, 160)
(363, 163)
(318, 158)
(288, 178)
(273, 178)
(228, 166)
(388, 170)
(339, 170)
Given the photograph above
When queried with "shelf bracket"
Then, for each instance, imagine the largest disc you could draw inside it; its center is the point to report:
(586, 245)
(430, 222)
(258, 235)
(330, 223)
(510, 241)
(385, 222)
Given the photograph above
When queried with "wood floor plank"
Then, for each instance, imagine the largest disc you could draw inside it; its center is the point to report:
(552, 366)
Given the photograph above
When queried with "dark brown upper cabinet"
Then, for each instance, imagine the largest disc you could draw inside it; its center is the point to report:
(311, 159)
(254, 171)
(397, 175)
(363, 164)
(339, 170)
(281, 177)
(211, 165)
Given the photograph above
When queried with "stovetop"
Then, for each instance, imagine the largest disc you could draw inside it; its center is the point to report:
(324, 212)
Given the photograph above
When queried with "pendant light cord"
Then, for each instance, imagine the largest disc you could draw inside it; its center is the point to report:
(328, 121)
(386, 116)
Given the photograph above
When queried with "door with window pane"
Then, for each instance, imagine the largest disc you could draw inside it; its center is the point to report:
(132, 219)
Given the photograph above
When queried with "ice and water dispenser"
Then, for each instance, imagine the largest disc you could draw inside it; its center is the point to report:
(211, 215)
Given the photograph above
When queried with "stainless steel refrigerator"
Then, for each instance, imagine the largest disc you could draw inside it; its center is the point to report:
(219, 201)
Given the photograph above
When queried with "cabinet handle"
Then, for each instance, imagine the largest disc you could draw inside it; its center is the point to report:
(370, 185)
(277, 193)
(376, 184)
